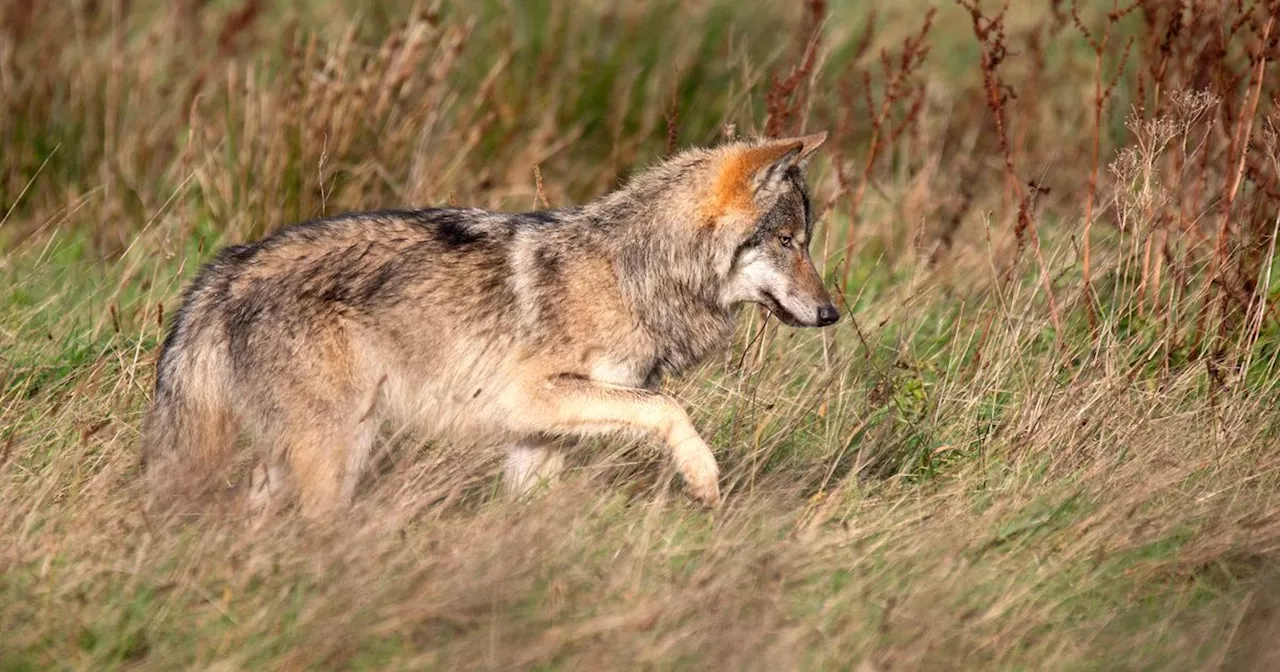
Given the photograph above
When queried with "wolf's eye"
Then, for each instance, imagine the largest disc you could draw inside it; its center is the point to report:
(785, 240)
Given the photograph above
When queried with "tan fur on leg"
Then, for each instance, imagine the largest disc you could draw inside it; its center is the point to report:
(582, 407)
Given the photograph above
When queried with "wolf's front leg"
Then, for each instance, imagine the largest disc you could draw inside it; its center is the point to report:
(576, 406)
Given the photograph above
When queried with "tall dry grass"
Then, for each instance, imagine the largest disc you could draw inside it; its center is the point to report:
(1044, 438)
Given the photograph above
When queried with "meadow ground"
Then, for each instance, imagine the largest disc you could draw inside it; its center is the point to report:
(1045, 435)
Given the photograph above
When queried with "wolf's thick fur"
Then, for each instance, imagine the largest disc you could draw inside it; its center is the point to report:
(474, 325)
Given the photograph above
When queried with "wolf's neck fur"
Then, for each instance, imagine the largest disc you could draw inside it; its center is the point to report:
(671, 269)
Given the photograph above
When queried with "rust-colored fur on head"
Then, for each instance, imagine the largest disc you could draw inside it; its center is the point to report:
(743, 174)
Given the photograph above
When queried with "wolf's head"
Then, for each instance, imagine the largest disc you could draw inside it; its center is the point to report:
(760, 202)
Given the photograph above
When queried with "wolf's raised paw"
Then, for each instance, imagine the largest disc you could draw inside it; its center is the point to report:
(702, 477)
(708, 495)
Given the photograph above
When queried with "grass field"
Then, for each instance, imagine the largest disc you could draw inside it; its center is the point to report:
(1046, 435)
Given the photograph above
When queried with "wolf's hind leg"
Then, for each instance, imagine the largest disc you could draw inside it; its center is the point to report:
(267, 483)
(327, 459)
(324, 415)
(580, 407)
(530, 463)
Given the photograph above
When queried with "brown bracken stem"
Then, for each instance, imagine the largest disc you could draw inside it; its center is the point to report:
(1240, 139)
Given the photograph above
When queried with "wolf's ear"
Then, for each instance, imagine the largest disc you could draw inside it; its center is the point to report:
(753, 177)
(778, 157)
(808, 145)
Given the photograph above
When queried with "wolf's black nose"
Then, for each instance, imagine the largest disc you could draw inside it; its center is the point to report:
(828, 315)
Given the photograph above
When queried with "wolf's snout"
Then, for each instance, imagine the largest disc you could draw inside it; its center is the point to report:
(828, 315)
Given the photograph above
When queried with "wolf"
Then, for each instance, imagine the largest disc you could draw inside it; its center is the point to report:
(508, 329)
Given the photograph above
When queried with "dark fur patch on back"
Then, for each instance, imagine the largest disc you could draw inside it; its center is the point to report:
(343, 277)
(454, 233)
(372, 285)
(540, 217)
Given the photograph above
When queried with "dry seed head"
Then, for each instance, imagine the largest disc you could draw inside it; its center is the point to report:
(1156, 133)
(1137, 184)
(1192, 105)
(1152, 134)
(1126, 165)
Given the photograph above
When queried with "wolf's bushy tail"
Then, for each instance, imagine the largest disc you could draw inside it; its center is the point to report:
(190, 430)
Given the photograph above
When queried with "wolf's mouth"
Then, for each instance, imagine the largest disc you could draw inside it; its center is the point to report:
(775, 307)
